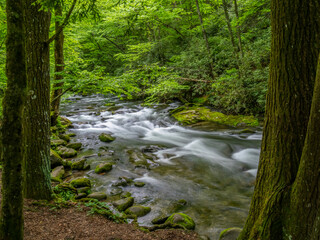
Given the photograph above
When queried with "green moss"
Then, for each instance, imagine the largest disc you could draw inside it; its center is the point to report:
(103, 167)
(81, 182)
(182, 220)
(230, 233)
(138, 211)
(104, 137)
(191, 115)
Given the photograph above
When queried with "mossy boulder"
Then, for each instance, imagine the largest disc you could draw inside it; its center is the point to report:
(80, 164)
(66, 152)
(230, 234)
(75, 146)
(104, 137)
(55, 159)
(57, 142)
(81, 182)
(122, 181)
(182, 220)
(137, 211)
(124, 204)
(65, 121)
(192, 115)
(65, 137)
(71, 134)
(98, 195)
(160, 219)
(58, 172)
(139, 184)
(103, 167)
(125, 195)
(86, 190)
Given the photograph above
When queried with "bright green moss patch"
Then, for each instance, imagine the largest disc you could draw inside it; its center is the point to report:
(181, 219)
(191, 115)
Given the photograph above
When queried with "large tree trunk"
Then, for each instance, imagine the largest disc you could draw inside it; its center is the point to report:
(12, 143)
(37, 111)
(59, 67)
(294, 53)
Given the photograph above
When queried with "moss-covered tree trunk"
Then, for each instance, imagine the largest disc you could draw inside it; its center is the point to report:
(12, 143)
(294, 54)
(59, 66)
(37, 111)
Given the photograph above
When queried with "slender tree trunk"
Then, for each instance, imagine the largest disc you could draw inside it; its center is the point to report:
(226, 15)
(294, 53)
(205, 37)
(37, 111)
(238, 27)
(12, 143)
(59, 67)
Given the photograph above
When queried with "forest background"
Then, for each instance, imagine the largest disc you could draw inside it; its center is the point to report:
(205, 51)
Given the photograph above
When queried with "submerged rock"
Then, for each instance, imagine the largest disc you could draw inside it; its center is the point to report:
(230, 234)
(124, 204)
(139, 159)
(138, 211)
(182, 220)
(139, 184)
(81, 182)
(103, 167)
(98, 195)
(125, 195)
(104, 137)
(66, 152)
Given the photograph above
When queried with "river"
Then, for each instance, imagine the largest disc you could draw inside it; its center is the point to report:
(214, 171)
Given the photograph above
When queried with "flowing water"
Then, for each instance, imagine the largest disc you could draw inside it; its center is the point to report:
(214, 171)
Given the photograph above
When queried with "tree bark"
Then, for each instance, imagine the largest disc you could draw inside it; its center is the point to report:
(238, 28)
(226, 15)
(11, 130)
(37, 111)
(294, 53)
(59, 67)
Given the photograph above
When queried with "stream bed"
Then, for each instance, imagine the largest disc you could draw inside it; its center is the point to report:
(212, 169)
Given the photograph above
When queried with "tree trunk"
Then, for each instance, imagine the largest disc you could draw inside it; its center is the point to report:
(37, 111)
(59, 67)
(205, 37)
(294, 53)
(238, 28)
(226, 15)
(12, 143)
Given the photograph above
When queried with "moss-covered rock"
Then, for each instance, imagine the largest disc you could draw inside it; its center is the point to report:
(58, 172)
(58, 142)
(137, 211)
(75, 146)
(81, 182)
(139, 159)
(80, 164)
(160, 219)
(103, 167)
(230, 234)
(55, 159)
(65, 121)
(177, 206)
(65, 137)
(104, 137)
(122, 181)
(125, 195)
(181, 219)
(71, 134)
(86, 190)
(139, 184)
(192, 115)
(66, 152)
(98, 195)
(124, 204)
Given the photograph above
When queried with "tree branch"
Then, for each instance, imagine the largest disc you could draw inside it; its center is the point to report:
(65, 22)
(61, 94)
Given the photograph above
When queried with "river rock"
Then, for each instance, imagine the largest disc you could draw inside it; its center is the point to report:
(81, 196)
(71, 134)
(139, 184)
(116, 191)
(160, 219)
(230, 234)
(122, 181)
(139, 159)
(80, 165)
(81, 182)
(138, 211)
(98, 195)
(85, 190)
(66, 152)
(55, 159)
(57, 142)
(58, 172)
(65, 137)
(65, 121)
(75, 146)
(104, 137)
(182, 220)
(177, 206)
(103, 167)
(125, 195)
(124, 204)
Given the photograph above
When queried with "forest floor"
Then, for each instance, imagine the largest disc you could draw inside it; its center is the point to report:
(72, 223)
